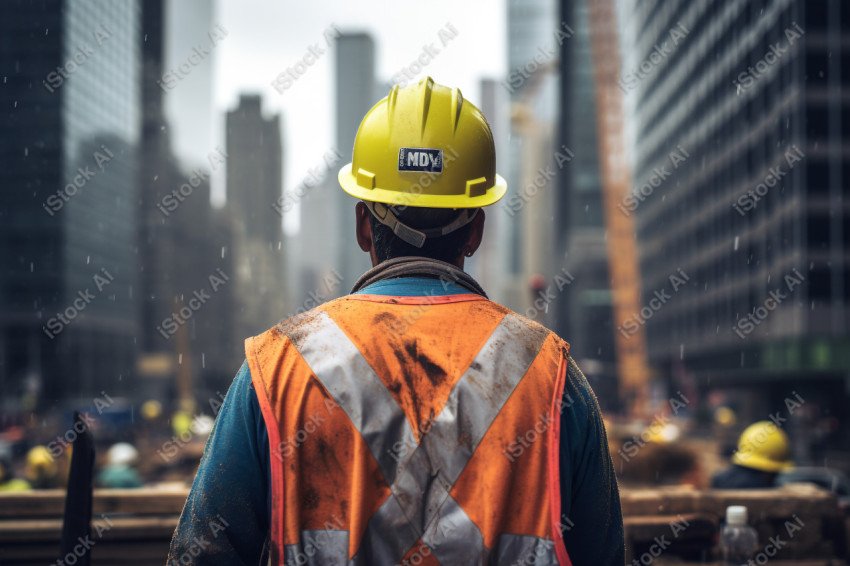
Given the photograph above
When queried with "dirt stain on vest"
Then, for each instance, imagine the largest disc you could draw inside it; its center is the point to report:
(386, 319)
(434, 372)
(311, 498)
(410, 356)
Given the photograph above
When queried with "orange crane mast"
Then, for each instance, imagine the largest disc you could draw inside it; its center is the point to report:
(632, 366)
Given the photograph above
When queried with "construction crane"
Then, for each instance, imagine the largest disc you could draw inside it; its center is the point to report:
(632, 366)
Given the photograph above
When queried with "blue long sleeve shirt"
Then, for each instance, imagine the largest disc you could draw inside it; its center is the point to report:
(226, 517)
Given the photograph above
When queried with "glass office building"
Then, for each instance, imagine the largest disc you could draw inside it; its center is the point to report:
(740, 182)
(70, 99)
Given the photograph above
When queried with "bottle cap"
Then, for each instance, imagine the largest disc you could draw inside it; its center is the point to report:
(736, 515)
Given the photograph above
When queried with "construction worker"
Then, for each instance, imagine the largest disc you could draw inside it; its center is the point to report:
(412, 421)
(763, 451)
(8, 481)
(41, 470)
(120, 471)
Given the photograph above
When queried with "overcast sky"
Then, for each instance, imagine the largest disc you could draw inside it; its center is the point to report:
(264, 37)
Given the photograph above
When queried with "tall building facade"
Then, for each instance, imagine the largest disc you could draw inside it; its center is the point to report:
(254, 190)
(183, 243)
(489, 265)
(354, 95)
(532, 159)
(585, 315)
(71, 115)
(740, 183)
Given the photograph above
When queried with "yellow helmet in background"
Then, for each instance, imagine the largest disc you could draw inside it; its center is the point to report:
(424, 146)
(40, 464)
(151, 409)
(763, 446)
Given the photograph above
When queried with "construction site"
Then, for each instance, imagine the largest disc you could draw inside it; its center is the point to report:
(669, 209)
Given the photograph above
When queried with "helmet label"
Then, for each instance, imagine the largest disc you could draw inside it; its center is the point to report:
(420, 159)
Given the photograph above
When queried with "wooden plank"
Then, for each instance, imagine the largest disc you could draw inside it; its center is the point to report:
(50, 502)
(115, 529)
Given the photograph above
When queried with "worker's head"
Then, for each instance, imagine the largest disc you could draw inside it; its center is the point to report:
(763, 446)
(423, 166)
(122, 454)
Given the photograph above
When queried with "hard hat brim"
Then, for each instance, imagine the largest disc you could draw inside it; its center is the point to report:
(349, 184)
(760, 463)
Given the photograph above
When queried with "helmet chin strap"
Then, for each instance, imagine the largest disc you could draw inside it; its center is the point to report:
(417, 236)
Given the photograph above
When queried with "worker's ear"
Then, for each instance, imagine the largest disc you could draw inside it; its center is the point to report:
(364, 231)
(476, 233)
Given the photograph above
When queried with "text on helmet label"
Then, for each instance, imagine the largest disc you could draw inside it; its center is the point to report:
(420, 159)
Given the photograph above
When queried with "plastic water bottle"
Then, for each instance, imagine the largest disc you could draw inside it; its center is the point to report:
(738, 541)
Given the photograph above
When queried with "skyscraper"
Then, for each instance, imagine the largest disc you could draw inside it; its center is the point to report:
(71, 104)
(183, 242)
(489, 265)
(585, 315)
(254, 188)
(532, 85)
(355, 89)
(740, 183)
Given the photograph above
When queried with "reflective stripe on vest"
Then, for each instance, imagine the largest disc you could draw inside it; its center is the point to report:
(420, 507)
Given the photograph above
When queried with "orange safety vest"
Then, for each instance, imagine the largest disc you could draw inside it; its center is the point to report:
(412, 430)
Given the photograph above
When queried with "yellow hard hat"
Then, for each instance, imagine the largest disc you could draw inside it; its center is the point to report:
(724, 416)
(151, 409)
(40, 460)
(39, 457)
(181, 423)
(763, 446)
(424, 146)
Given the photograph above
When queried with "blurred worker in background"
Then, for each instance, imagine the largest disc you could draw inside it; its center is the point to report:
(8, 481)
(413, 420)
(119, 471)
(763, 452)
(41, 469)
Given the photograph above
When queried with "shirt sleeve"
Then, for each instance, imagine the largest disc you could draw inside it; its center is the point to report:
(592, 522)
(225, 519)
